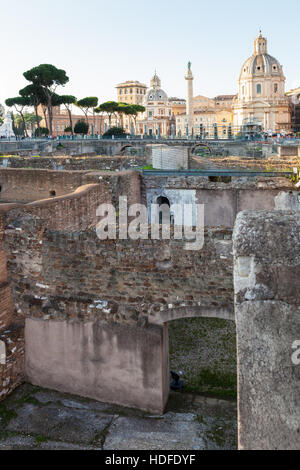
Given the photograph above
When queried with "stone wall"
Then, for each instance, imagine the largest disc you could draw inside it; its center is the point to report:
(267, 303)
(76, 276)
(11, 334)
(224, 200)
(6, 303)
(32, 185)
(109, 362)
(73, 211)
(288, 151)
(75, 163)
(77, 284)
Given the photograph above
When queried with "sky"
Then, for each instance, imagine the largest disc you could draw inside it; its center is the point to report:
(100, 43)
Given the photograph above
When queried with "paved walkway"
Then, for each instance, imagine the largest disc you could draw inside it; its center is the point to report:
(35, 418)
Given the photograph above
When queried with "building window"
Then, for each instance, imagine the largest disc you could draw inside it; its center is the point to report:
(120, 92)
(131, 90)
(258, 89)
(275, 87)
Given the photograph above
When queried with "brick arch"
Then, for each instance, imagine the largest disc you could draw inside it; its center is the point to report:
(225, 312)
(192, 150)
(124, 147)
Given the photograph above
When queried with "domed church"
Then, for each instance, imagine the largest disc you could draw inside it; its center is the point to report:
(261, 103)
(158, 118)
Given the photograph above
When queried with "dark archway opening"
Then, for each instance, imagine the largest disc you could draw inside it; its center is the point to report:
(164, 208)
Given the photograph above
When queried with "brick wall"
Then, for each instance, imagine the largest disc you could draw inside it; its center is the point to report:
(6, 304)
(31, 185)
(74, 163)
(74, 275)
(28, 223)
(11, 335)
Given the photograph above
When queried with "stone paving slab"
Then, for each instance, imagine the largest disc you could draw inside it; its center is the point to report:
(179, 431)
(52, 397)
(62, 424)
(18, 443)
(41, 419)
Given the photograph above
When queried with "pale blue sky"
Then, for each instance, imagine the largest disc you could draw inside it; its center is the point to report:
(101, 43)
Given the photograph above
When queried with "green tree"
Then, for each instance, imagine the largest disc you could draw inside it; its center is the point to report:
(2, 113)
(136, 109)
(67, 101)
(81, 127)
(110, 108)
(36, 98)
(48, 77)
(43, 131)
(87, 104)
(30, 122)
(19, 103)
(117, 131)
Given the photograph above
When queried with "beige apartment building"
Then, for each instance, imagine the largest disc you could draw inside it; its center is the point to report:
(207, 123)
(131, 92)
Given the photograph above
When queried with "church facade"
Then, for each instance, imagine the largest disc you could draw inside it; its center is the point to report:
(158, 119)
(261, 104)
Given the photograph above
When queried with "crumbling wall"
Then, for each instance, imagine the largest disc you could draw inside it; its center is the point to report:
(76, 276)
(74, 211)
(224, 200)
(102, 296)
(267, 304)
(11, 334)
(288, 151)
(75, 163)
(28, 185)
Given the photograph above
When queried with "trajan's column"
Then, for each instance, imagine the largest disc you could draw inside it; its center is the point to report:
(189, 102)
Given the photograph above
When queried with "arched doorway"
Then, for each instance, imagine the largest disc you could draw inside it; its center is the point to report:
(200, 341)
(164, 213)
(217, 319)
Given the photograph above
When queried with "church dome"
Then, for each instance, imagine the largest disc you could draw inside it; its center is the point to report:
(261, 64)
(156, 93)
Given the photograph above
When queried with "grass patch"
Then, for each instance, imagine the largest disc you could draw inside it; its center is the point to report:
(204, 349)
(6, 415)
(213, 383)
(40, 438)
(148, 167)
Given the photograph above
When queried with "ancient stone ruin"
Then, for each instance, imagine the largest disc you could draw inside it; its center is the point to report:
(90, 317)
